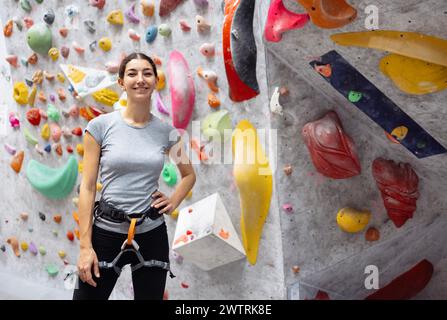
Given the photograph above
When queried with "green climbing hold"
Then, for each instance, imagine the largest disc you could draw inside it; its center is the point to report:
(39, 38)
(52, 270)
(354, 96)
(42, 250)
(39, 1)
(54, 183)
(53, 113)
(29, 137)
(164, 30)
(216, 123)
(25, 5)
(169, 174)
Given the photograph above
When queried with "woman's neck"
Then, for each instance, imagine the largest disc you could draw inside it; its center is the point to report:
(137, 113)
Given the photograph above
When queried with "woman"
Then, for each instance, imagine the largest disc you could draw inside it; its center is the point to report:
(129, 145)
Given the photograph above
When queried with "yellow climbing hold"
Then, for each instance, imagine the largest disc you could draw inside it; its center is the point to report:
(60, 77)
(106, 96)
(61, 254)
(351, 220)
(80, 166)
(189, 195)
(98, 186)
(80, 149)
(105, 44)
(75, 74)
(253, 177)
(414, 76)
(400, 133)
(410, 44)
(53, 53)
(161, 83)
(32, 96)
(24, 246)
(115, 17)
(174, 214)
(45, 132)
(20, 93)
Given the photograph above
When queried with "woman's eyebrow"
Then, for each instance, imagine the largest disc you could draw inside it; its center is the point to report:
(145, 69)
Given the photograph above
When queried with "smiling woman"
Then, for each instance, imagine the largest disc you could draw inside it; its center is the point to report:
(129, 147)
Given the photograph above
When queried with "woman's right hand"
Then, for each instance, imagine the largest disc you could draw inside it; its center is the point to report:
(87, 260)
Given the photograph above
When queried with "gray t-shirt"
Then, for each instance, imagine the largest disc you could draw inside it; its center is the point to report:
(131, 161)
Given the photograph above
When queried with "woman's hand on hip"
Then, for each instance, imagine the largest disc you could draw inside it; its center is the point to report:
(163, 202)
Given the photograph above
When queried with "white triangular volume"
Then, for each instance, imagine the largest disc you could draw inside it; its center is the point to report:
(205, 235)
(86, 81)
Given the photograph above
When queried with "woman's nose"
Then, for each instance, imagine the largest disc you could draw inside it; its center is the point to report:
(140, 77)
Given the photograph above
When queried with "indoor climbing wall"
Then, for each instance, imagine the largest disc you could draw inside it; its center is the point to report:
(327, 164)
(89, 40)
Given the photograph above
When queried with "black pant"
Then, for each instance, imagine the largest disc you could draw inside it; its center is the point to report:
(148, 282)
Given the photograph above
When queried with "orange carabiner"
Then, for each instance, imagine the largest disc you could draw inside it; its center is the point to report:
(131, 232)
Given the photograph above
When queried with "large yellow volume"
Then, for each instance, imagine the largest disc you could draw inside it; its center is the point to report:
(410, 44)
(253, 177)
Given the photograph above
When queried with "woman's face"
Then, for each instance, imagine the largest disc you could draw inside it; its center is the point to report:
(139, 80)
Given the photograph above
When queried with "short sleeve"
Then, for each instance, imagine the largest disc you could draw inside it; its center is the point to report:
(96, 128)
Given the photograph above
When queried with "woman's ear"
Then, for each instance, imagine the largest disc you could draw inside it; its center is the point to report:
(121, 83)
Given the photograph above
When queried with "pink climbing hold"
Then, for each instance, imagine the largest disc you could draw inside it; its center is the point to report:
(280, 20)
(287, 207)
(181, 85)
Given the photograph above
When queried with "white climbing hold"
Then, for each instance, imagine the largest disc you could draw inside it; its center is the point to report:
(275, 107)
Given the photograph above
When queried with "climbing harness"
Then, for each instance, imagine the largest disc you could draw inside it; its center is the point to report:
(104, 210)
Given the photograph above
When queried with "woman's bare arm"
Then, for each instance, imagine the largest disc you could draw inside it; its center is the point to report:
(88, 189)
(179, 156)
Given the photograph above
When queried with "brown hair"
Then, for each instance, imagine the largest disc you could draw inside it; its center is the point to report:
(136, 55)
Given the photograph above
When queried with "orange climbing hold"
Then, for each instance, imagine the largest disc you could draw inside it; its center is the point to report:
(224, 234)
(213, 101)
(17, 161)
(329, 14)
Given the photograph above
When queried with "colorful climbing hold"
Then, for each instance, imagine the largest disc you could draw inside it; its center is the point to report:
(29, 137)
(54, 183)
(57, 218)
(49, 17)
(61, 254)
(210, 77)
(131, 15)
(399, 133)
(169, 174)
(280, 20)
(42, 250)
(184, 26)
(14, 243)
(24, 245)
(207, 49)
(151, 33)
(105, 44)
(17, 161)
(372, 234)
(147, 7)
(167, 6)
(33, 248)
(20, 93)
(115, 17)
(354, 96)
(52, 270)
(287, 207)
(202, 24)
(288, 169)
(351, 220)
(70, 235)
(39, 38)
(10, 149)
(325, 70)
(164, 30)
(13, 120)
(7, 30)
